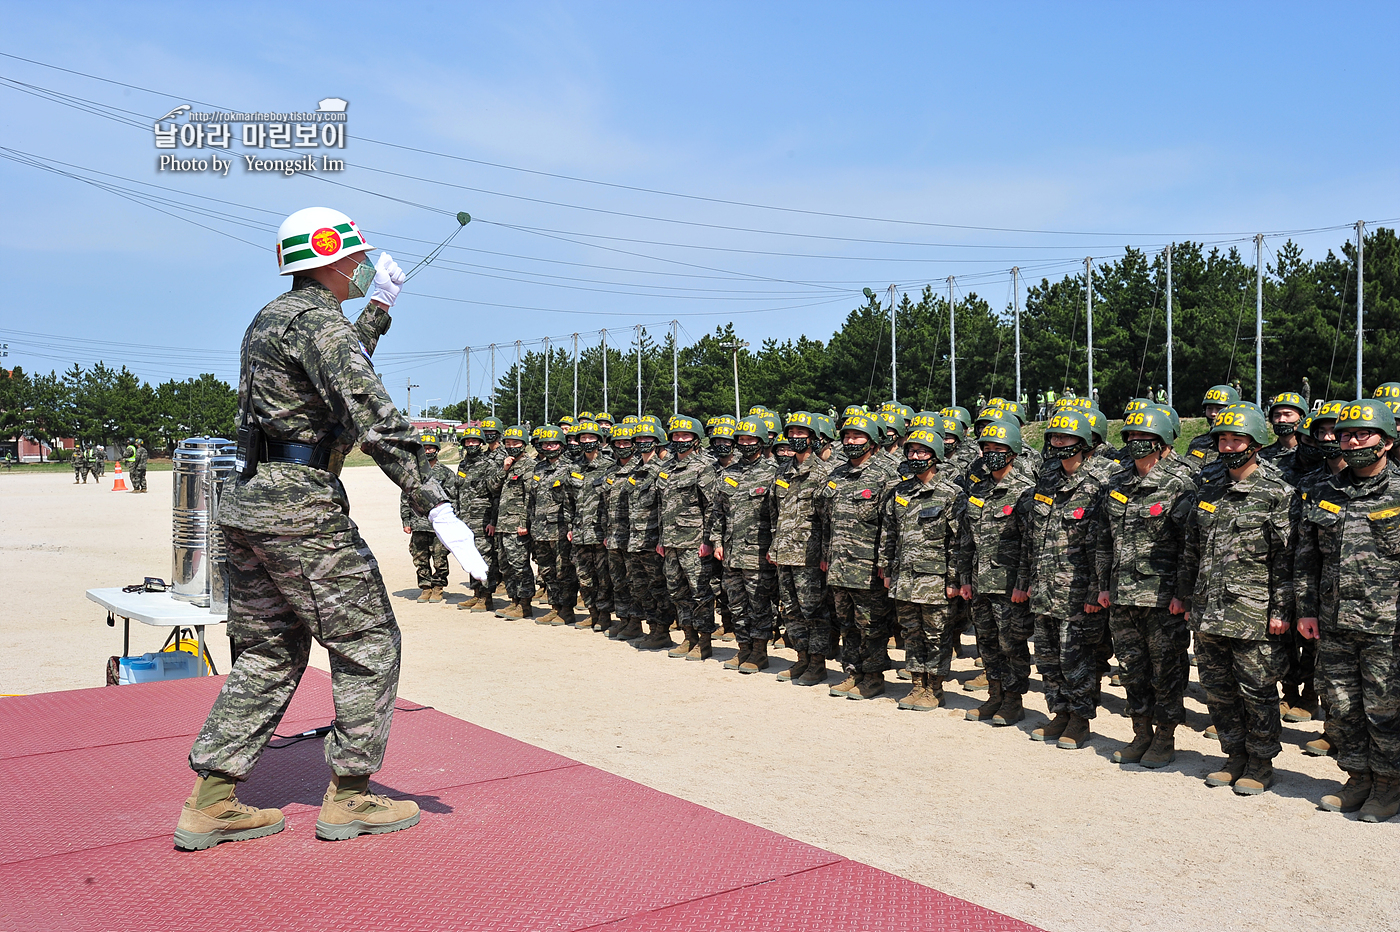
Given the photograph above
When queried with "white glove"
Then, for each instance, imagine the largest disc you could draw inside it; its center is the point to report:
(457, 537)
(388, 280)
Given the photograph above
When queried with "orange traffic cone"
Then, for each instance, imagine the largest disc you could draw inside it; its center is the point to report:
(119, 483)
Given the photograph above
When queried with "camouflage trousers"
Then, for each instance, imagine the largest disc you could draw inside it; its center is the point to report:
(866, 620)
(647, 581)
(1151, 646)
(486, 546)
(1299, 660)
(1003, 640)
(751, 600)
(283, 592)
(928, 637)
(138, 478)
(714, 578)
(1066, 657)
(513, 563)
(79, 472)
(802, 598)
(429, 559)
(688, 585)
(555, 559)
(1240, 678)
(623, 603)
(594, 581)
(1362, 675)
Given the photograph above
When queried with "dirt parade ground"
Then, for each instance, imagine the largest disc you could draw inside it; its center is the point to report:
(1062, 839)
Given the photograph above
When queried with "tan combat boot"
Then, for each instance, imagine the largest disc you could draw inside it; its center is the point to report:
(1010, 711)
(795, 671)
(916, 695)
(704, 649)
(632, 629)
(1234, 769)
(733, 663)
(519, 608)
(1258, 777)
(1076, 733)
(659, 638)
(1353, 795)
(1142, 740)
(586, 621)
(868, 687)
(976, 684)
(985, 711)
(1163, 749)
(1384, 801)
(1320, 747)
(687, 644)
(843, 688)
(468, 604)
(758, 658)
(933, 693)
(486, 604)
(816, 672)
(548, 618)
(1052, 729)
(349, 809)
(425, 594)
(212, 815)
(562, 616)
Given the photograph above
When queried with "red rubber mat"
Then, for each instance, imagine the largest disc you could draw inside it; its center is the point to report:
(513, 837)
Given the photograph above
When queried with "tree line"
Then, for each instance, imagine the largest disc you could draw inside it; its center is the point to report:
(1309, 305)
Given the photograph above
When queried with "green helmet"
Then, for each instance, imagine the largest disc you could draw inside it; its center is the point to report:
(926, 437)
(491, 428)
(588, 427)
(826, 428)
(428, 440)
(752, 427)
(1244, 419)
(720, 431)
(896, 422)
(513, 432)
(866, 424)
(987, 413)
(604, 418)
(850, 412)
(681, 422)
(1151, 420)
(1223, 395)
(648, 429)
(1175, 419)
(1295, 401)
(963, 415)
(1072, 423)
(547, 432)
(1004, 429)
(1014, 408)
(472, 432)
(1137, 404)
(757, 411)
(802, 419)
(772, 423)
(1365, 414)
(566, 421)
(1387, 391)
(931, 420)
(952, 427)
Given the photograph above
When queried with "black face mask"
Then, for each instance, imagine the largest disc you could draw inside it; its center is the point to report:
(1140, 449)
(998, 459)
(587, 446)
(1285, 429)
(1236, 460)
(1053, 452)
(644, 446)
(855, 451)
(722, 447)
(786, 454)
(472, 451)
(551, 454)
(1366, 456)
(677, 447)
(1308, 456)
(912, 467)
(749, 451)
(1331, 449)
(798, 444)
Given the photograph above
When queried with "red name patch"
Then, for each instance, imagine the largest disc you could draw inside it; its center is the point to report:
(1155, 510)
(1006, 509)
(1078, 513)
(865, 493)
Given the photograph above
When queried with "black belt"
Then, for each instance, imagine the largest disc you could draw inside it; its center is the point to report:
(303, 454)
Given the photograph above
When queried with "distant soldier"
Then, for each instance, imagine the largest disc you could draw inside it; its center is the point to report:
(687, 491)
(138, 458)
(588, 483)
(645, 572)
(743, 532)
(1201, 450)
(79, 464)
(512, 528)
(616, 531)
(100, 460)
(429, 554)
(796, 550)
(475, 493)
(1286, 412)
(551, 515)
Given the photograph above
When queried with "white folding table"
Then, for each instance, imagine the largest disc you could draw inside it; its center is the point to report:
(158, 609)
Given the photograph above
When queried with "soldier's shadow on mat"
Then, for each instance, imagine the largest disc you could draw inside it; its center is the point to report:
(298, 774)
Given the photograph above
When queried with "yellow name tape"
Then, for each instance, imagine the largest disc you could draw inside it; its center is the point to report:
(1044, 499)
(1208, 506)
(976, 501)
(1384, 513)
(1118, 496)
(782, 484)
(1328, 506)
(901, 499)
(731, 481)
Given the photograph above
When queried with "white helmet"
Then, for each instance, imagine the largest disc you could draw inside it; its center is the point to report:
(316, 236)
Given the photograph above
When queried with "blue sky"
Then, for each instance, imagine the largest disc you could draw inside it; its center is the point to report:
(1088, 126)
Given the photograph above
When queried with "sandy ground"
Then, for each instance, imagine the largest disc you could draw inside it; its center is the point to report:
(1062, 839)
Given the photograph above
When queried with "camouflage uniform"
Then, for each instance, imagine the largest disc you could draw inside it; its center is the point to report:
(919, 533)
(1057, 569)
(1201, 452)
(587, 484)
(852, 500)
(428, 553)
(645, 573)
(989, 552)
(797, 552)
(687, 490)
(1141, 523)
(79, 466)
(551, 515)
(512, 549)
(616, 531)
(138, 469)
(1346, 574)
(298, 568)
(743, 512)
(1235, 573)
(477, 488)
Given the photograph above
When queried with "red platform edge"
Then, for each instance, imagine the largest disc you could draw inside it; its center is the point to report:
(513, 837)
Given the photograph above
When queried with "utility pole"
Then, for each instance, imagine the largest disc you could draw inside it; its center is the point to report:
(546, 380)
(576, 377)
(894, 352)
(605, 370)
(1089, 298)
(469, 384)
(639, 370)
(735, 345)
(953, 347)
(1016, 305)
(1360, 293)
(493, 379)
(411, 387)
(1169, 326)
(518, 418)
(675, 370)
(1259, 319)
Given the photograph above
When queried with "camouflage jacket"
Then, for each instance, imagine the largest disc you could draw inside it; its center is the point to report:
(479, 483)
(1235, 570)
(617, 503)
(142, 457)
(1347, 569)
(1141, 523)
(587, 484)
(852, 503)
(743, 513)
(305, 375)
(989, 536)
(797, 536)
(644, 507)
(1057, 546)
(918, 539)
(447, 479)
(1201, 452)
(513, 504)
(687, 491)
(551, 501)
(1103, 464)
